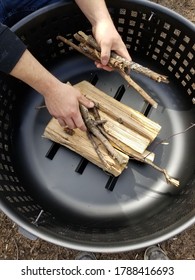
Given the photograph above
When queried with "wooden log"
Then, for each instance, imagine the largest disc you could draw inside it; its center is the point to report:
(125, 115)
(79, 143)
(128, 131)
(125, 135)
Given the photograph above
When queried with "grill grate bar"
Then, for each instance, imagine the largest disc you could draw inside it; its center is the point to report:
(120, 92)
(94, 80)
(111, 183)
(146, 109)
(81, 166)
(52, 151)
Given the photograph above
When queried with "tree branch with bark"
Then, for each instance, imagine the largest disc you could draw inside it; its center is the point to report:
(89, 47)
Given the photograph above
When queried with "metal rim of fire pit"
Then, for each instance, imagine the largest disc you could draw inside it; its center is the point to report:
(36, 229)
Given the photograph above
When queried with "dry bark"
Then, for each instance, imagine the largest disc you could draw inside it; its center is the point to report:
(89, 47)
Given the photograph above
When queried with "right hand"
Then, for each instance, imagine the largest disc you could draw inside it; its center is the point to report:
(63, 104)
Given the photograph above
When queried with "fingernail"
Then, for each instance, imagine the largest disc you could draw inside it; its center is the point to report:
(84, 128)
(104, 61)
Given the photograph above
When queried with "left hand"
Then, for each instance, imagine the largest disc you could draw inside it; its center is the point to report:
(109, 40)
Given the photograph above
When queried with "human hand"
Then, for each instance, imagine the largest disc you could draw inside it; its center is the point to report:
(109, 40)
(62, 100)
(63, 104)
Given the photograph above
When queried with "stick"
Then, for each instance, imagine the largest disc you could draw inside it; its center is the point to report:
(88, 46)
(96, 132)
(142, 92)
(90, 40)
(127, 65)
(168, 178)
(96, 148)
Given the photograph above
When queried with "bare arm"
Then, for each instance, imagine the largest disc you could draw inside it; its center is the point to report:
(103, 29)
(62, 100)
(94, 10)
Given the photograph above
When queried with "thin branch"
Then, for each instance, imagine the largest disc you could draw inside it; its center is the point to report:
(142, 92)
(96, 148)
(89, 47)
(17, 250)
(173, 135)
(168, 178)
(89, 122)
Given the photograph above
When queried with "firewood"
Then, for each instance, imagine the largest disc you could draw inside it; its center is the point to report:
(121, 113)
(125, 65)
(79, 143)
(108, 143)
(89, 47)
(93, 128)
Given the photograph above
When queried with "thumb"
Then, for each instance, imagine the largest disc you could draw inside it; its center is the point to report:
(86, 102)
(105, 53)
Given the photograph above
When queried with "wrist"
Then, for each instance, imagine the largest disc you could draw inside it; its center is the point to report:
(50, 87)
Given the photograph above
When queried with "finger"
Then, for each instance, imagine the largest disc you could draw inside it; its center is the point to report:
(105, 67)
(61, 122)
(124, 54)
(80, 123)
(86, 102)
(70, 123)
(105, 53)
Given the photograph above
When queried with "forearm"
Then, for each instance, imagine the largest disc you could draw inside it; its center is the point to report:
(94, 10)
(30, 71)
(62, 100)
(103, 29)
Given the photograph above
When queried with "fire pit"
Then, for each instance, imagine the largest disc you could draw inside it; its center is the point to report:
(57, 195)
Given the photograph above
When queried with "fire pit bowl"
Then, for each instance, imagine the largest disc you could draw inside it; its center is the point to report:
(56, 195)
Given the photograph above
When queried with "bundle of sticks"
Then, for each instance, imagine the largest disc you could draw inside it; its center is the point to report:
(115, 132)
(89, 47)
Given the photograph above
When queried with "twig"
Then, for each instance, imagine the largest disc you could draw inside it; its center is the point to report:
(148, 72)
(126, 64)
(96, 148)
(162, 170)
(40, 107)
(17, 250)
(89, 122)
(89, 47)
(142, 92)
(168, 178)
(173, 135)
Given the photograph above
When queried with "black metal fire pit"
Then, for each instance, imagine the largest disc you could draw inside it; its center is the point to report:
(58, 196)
